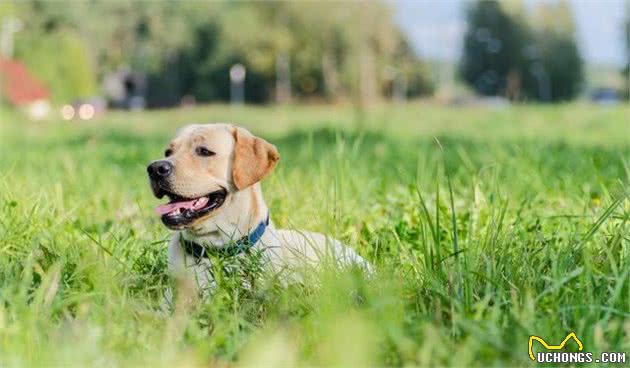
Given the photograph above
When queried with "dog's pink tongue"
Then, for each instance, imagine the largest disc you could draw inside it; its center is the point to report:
(174, 206)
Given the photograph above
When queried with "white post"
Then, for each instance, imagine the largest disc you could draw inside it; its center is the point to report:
(9, 27)
(237, 85)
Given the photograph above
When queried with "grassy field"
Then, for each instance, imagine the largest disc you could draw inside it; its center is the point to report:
(485, 227)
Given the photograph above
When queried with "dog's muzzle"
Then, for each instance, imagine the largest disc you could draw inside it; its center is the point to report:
(180, 211)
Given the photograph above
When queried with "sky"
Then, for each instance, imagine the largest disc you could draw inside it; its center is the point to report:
(435, 28)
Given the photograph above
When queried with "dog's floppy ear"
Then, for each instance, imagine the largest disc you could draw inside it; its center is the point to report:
(254, 158)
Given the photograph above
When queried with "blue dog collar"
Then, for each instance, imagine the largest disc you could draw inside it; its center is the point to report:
(240, 246)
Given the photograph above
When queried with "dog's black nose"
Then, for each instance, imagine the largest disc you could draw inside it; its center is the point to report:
(160, 169)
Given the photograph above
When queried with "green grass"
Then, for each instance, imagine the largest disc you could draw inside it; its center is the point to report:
(485, 226)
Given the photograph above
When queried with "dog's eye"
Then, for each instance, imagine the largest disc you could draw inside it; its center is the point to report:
(168, 152)
(203, 151)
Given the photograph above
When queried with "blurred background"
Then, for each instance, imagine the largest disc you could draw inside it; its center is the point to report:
(436, 138)
(78, 59)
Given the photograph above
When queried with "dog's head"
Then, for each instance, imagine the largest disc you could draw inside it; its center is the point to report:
(203, 165)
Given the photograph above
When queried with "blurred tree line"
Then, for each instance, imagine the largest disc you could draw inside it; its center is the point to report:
(352, 50)
(522, 57)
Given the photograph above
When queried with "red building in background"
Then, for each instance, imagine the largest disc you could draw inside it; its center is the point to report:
(21, 89)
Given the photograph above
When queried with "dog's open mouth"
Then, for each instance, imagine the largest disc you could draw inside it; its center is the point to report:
(182, 211)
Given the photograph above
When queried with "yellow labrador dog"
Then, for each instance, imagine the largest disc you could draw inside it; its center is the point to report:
(211, 173)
